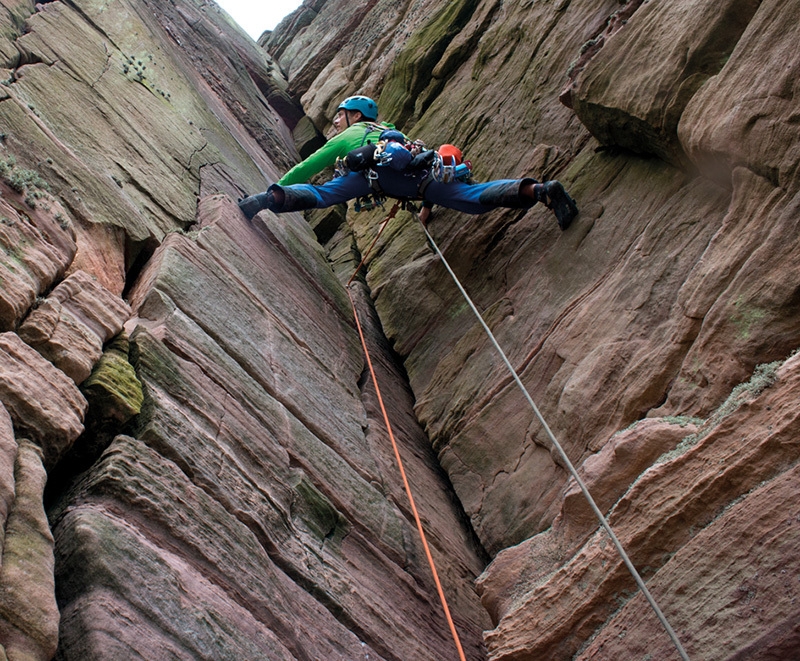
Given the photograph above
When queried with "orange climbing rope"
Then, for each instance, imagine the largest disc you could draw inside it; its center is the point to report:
(406, 484)
(392, 213)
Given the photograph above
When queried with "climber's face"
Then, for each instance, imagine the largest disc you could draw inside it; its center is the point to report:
(339, 120)
(344, 118)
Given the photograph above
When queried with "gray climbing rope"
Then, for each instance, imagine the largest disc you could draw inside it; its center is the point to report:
(564, 456)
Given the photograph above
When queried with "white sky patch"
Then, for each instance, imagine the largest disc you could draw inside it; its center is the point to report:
(255, 17)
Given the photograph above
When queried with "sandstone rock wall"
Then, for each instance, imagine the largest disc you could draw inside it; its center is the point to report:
(673, 285)
(189, 386)
(193, 463)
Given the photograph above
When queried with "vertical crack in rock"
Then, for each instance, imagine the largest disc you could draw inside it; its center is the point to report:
(260, 512)
(392, 376)
(106, 67)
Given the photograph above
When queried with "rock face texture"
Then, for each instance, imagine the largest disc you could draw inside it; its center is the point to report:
(670, 289)
(194, 463)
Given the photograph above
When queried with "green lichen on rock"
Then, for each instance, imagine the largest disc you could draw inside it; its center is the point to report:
(746, 318)
(28, 612)
(115, 397)
(411, 72)
(764, 376)
(29, 182)
(316, 511)
(113, 390)
(683, 420)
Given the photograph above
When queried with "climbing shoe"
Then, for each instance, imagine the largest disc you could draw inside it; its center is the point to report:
(251, 205)
(553, 196)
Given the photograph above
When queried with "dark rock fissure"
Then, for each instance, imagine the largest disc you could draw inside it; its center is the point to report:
(373, 329)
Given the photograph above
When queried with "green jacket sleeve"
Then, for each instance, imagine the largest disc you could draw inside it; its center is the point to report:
(337, 147)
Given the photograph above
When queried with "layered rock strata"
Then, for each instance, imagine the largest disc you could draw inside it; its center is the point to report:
(192, 457)
(219, 480)
(673, 285)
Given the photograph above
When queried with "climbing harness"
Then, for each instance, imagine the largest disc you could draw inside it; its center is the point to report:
(368, 203)
(562, 454)
(406, 485)
(393, 150)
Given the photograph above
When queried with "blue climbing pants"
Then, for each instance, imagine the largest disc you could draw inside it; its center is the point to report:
(467, 198)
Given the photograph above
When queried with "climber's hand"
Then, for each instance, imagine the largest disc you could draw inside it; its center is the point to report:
(424, 215)
(423, 160)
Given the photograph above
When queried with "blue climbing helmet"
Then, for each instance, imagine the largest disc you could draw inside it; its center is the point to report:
(366, 106)
(392, 135)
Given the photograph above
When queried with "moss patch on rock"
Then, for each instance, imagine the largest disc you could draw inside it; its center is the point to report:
(113, 390)
(411, 74)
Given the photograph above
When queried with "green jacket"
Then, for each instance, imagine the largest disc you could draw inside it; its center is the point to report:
(338, 146)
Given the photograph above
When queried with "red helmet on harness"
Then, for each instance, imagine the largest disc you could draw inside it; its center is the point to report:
(451, 150)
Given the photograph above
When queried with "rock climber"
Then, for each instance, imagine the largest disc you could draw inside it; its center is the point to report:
(357, 135)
